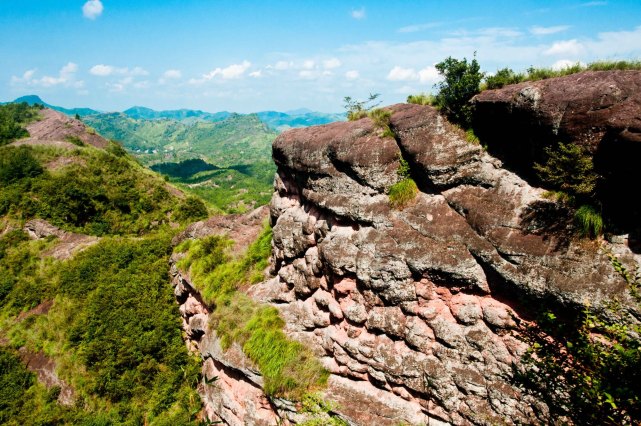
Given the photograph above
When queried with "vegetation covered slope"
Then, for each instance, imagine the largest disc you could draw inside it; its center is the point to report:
(236, 171)
(103, 323)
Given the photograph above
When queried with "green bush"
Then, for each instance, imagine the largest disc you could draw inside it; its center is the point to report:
(381, 118)
(461, 82)
(116, 149)
(288, 367)
(17, 164)
(401, 193)
(422, 99)
(585, 368)
(359, 109)
(13, 118)
(75, 140)
(589, 221)
(191, 209)
(503, 77)
(15, 380)
(568, 168)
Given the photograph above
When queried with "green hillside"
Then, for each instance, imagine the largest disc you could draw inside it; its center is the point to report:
(235, 172)
(103, 321)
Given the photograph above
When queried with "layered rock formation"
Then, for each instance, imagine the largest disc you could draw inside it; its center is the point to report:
(414, 312)
(599, 110)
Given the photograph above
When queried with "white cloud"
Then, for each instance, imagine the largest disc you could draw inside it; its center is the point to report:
(419, 27)
(307, 74)
(429, 75)
(136, 71)
(172, 74)
(331, 63)
(402, 74)
(358, 13)
(281, 65)
(426, 75)
(102, 70)
(594, 3)
(308, 64)
(66, 77)
(92, 9)
(565, 48)
(565, 63)
(541, 31)
(26, 77)
(352, 75)
(256, 74)
(233, 71)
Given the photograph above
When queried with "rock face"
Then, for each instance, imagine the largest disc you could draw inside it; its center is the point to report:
(421, 303)
(415, 312)
(55, 126)
(600, 110)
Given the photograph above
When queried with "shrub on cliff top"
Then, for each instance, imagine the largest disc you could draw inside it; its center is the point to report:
(422, 99)
(461, 82)
(381, 118)
(359, 109)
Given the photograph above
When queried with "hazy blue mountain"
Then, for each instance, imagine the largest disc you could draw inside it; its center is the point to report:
(281, 121)
(179, 114)
(35, 99)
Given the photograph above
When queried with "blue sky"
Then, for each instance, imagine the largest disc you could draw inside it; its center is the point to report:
(249, 56)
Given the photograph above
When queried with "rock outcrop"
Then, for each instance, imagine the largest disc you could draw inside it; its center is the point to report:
(599, 110)
(422, 302)
(56, 126)
(414, 312)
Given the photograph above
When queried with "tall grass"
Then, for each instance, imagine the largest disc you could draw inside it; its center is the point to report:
(589, 221)
(506, 76)
(289, 368)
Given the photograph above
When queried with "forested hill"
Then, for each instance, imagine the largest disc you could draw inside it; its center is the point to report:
(85, 234)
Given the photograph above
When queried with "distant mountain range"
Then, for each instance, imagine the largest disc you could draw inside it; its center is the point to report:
(34, 99)
(279, 121)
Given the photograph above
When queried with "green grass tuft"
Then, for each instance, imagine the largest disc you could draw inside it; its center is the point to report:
(422, 99)
(288, 367)
(381, 118)
(589, 221)
(401, 193)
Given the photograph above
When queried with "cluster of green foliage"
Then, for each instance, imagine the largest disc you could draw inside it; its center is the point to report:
(570, 170)
(589, 221)
(461, 81)
(288, 367)
(96, 192)
(113, 331)
(191, 209)
(405, 190)
(75, 140)
(586, 369)
(501, 78)
(402, 192)
(237, 140)
(227, 163)
(359, 109)
(320, 410)
(507, 76)
(381, 118)
(13, 118)
(422, 99)
(234, 189)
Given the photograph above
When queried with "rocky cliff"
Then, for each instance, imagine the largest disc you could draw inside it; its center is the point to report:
(597, 110)
(415, 312)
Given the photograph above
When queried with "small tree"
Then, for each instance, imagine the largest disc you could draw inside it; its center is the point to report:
(462, 82)
(359, 109)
